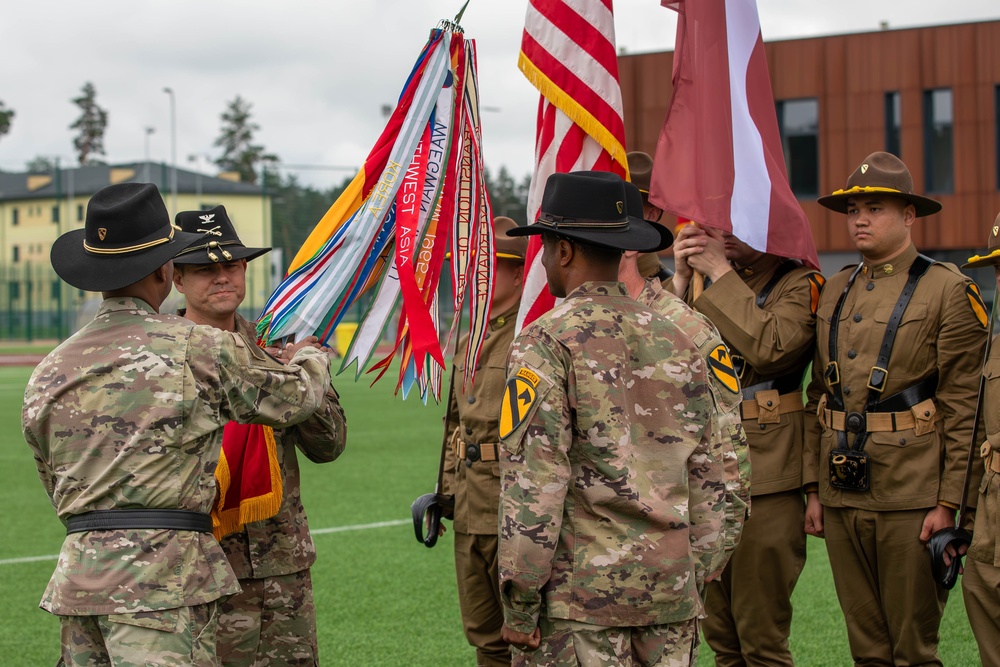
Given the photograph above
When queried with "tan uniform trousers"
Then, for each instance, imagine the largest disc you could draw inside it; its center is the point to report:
(981, 592)
(575, 644)
(882, 572)
(182, 637)
(479, 597)
(749, 610)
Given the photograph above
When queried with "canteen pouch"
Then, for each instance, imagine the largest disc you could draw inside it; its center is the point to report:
(850, 470)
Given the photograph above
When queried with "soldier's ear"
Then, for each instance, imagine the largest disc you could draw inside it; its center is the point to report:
(565, 251)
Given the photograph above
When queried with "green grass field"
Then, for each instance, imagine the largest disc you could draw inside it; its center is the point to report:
(382, 598)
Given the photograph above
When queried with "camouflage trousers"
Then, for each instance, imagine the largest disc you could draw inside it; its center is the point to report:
(272, 623)
(171, 638)
(572, 644)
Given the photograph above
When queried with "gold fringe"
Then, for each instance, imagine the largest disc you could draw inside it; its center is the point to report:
(579, 115)
(232, 520)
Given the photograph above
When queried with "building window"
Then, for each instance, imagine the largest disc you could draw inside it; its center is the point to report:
(15, 254)
(893, 124)
(14, 290)
(14, 218)
(79, 212)
(939, 170)
(56, 289)
(798, 123)
(55, 214)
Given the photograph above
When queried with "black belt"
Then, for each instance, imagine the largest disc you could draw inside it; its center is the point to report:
(903, 400)
(139, 520)
(785, 384)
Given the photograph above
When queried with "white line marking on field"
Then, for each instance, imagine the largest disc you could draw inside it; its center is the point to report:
(320, 531)
(362, 526)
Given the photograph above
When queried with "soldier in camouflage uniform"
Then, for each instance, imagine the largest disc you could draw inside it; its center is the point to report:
(125, 423)
(725, 388)
(273, 620)
(613, 483)
(472, 468)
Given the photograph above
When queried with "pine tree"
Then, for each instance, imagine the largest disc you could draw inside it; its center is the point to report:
(92, 123)
(6, 117)
(239, 153)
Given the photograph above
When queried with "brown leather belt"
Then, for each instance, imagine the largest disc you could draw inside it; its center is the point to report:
(875, 422)
(477, 451)
(769, 406)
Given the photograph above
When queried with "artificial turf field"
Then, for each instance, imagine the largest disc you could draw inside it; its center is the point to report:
(381, 598)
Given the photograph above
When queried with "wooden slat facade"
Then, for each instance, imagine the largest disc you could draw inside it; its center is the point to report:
(849, 76)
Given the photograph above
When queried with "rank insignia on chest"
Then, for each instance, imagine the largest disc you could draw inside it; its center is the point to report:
(518, 397)
(721, 366)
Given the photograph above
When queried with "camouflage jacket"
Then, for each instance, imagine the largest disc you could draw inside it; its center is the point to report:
(474, 418)
(613, 483)
(282, 544)
(128, 413)
(727, 397)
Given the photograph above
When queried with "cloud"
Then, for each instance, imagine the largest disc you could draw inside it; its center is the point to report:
(316, 73)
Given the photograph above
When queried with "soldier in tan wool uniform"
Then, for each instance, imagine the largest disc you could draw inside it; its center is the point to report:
(125, 421)
(764, 306)
(472, 468)
(899, 342)
(273, 620)
(981, 582)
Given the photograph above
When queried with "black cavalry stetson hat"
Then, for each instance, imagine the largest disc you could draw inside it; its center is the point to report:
(127, 235)
(590, 207)
(219, 240)
(881, 173)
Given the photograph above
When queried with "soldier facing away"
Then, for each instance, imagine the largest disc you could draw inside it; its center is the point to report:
(125, 422)
(613, 488)
(273, 620)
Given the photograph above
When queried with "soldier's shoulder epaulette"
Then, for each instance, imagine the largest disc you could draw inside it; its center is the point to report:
(952, 268)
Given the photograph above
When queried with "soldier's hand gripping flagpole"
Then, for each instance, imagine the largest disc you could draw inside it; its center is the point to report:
(952, 542)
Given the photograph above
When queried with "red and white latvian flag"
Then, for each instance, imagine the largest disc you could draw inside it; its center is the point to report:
(568, 53)
(719, 159)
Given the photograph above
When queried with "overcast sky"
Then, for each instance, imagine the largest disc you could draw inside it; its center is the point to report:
(317, 73)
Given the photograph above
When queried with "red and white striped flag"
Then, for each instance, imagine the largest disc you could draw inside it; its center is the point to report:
(568, 53)
(719, 159)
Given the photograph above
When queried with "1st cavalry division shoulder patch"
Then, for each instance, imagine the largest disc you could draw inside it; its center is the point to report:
(518, 397)
(976, 301)
(721, 366)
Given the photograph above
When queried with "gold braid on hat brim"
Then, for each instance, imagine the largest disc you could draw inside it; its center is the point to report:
(132, 248)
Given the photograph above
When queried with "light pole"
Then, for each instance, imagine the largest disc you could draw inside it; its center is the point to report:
(196, 159)
(173, 151)
(145, 167)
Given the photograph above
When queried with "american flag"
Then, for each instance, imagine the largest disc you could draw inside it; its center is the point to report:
(568, 53)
